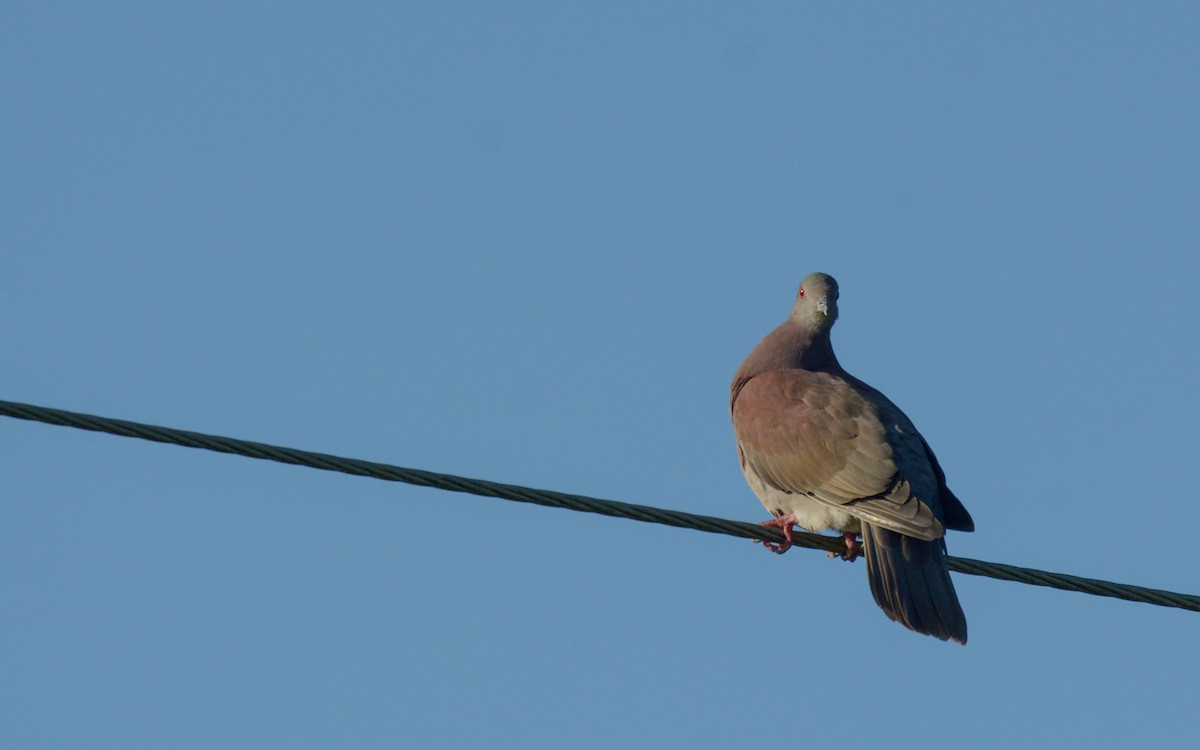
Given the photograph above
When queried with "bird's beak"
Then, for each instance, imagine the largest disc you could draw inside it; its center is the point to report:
(823, 306)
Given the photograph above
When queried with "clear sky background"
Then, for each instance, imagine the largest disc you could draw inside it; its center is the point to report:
(531, 243)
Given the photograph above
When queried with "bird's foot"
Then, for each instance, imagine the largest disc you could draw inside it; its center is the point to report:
(853, 549)
(785, 522)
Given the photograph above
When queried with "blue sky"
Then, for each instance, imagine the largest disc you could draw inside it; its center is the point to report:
(531, 243)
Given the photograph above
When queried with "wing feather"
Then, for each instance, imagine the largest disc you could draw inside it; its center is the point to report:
(842, 443)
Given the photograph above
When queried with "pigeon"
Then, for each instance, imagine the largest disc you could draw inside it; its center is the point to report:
(823, 450)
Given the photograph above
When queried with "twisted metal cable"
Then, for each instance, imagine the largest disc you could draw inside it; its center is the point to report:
(548, 498)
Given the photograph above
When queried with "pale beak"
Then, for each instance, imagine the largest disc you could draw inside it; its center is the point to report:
(823, 306)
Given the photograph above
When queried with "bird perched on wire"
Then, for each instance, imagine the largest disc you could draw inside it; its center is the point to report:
(824, 450)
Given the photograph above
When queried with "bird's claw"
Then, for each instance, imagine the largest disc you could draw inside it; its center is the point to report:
(784, 523)
(853, 549)
(775, 547)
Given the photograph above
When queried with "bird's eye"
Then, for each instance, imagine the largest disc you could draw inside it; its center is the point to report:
(801, 292)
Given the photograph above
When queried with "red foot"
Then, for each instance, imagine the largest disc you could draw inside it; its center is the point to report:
(782, 522)
(853, 547)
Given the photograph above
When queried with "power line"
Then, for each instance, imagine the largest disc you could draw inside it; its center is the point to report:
(645, 513)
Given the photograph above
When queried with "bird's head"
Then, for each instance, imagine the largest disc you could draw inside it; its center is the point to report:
(816, 302)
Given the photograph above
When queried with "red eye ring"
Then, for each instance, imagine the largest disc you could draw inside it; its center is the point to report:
(801, 292)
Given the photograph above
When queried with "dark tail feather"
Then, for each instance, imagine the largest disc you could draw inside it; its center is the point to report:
(911, 583)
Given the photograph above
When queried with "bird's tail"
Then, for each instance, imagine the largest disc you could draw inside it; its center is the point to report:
(911, 583)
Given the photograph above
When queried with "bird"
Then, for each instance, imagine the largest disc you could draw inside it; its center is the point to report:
(825, 451)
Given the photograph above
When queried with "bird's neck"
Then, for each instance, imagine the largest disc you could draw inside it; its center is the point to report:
(788, 347)
(818, 355)
(795, 347)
